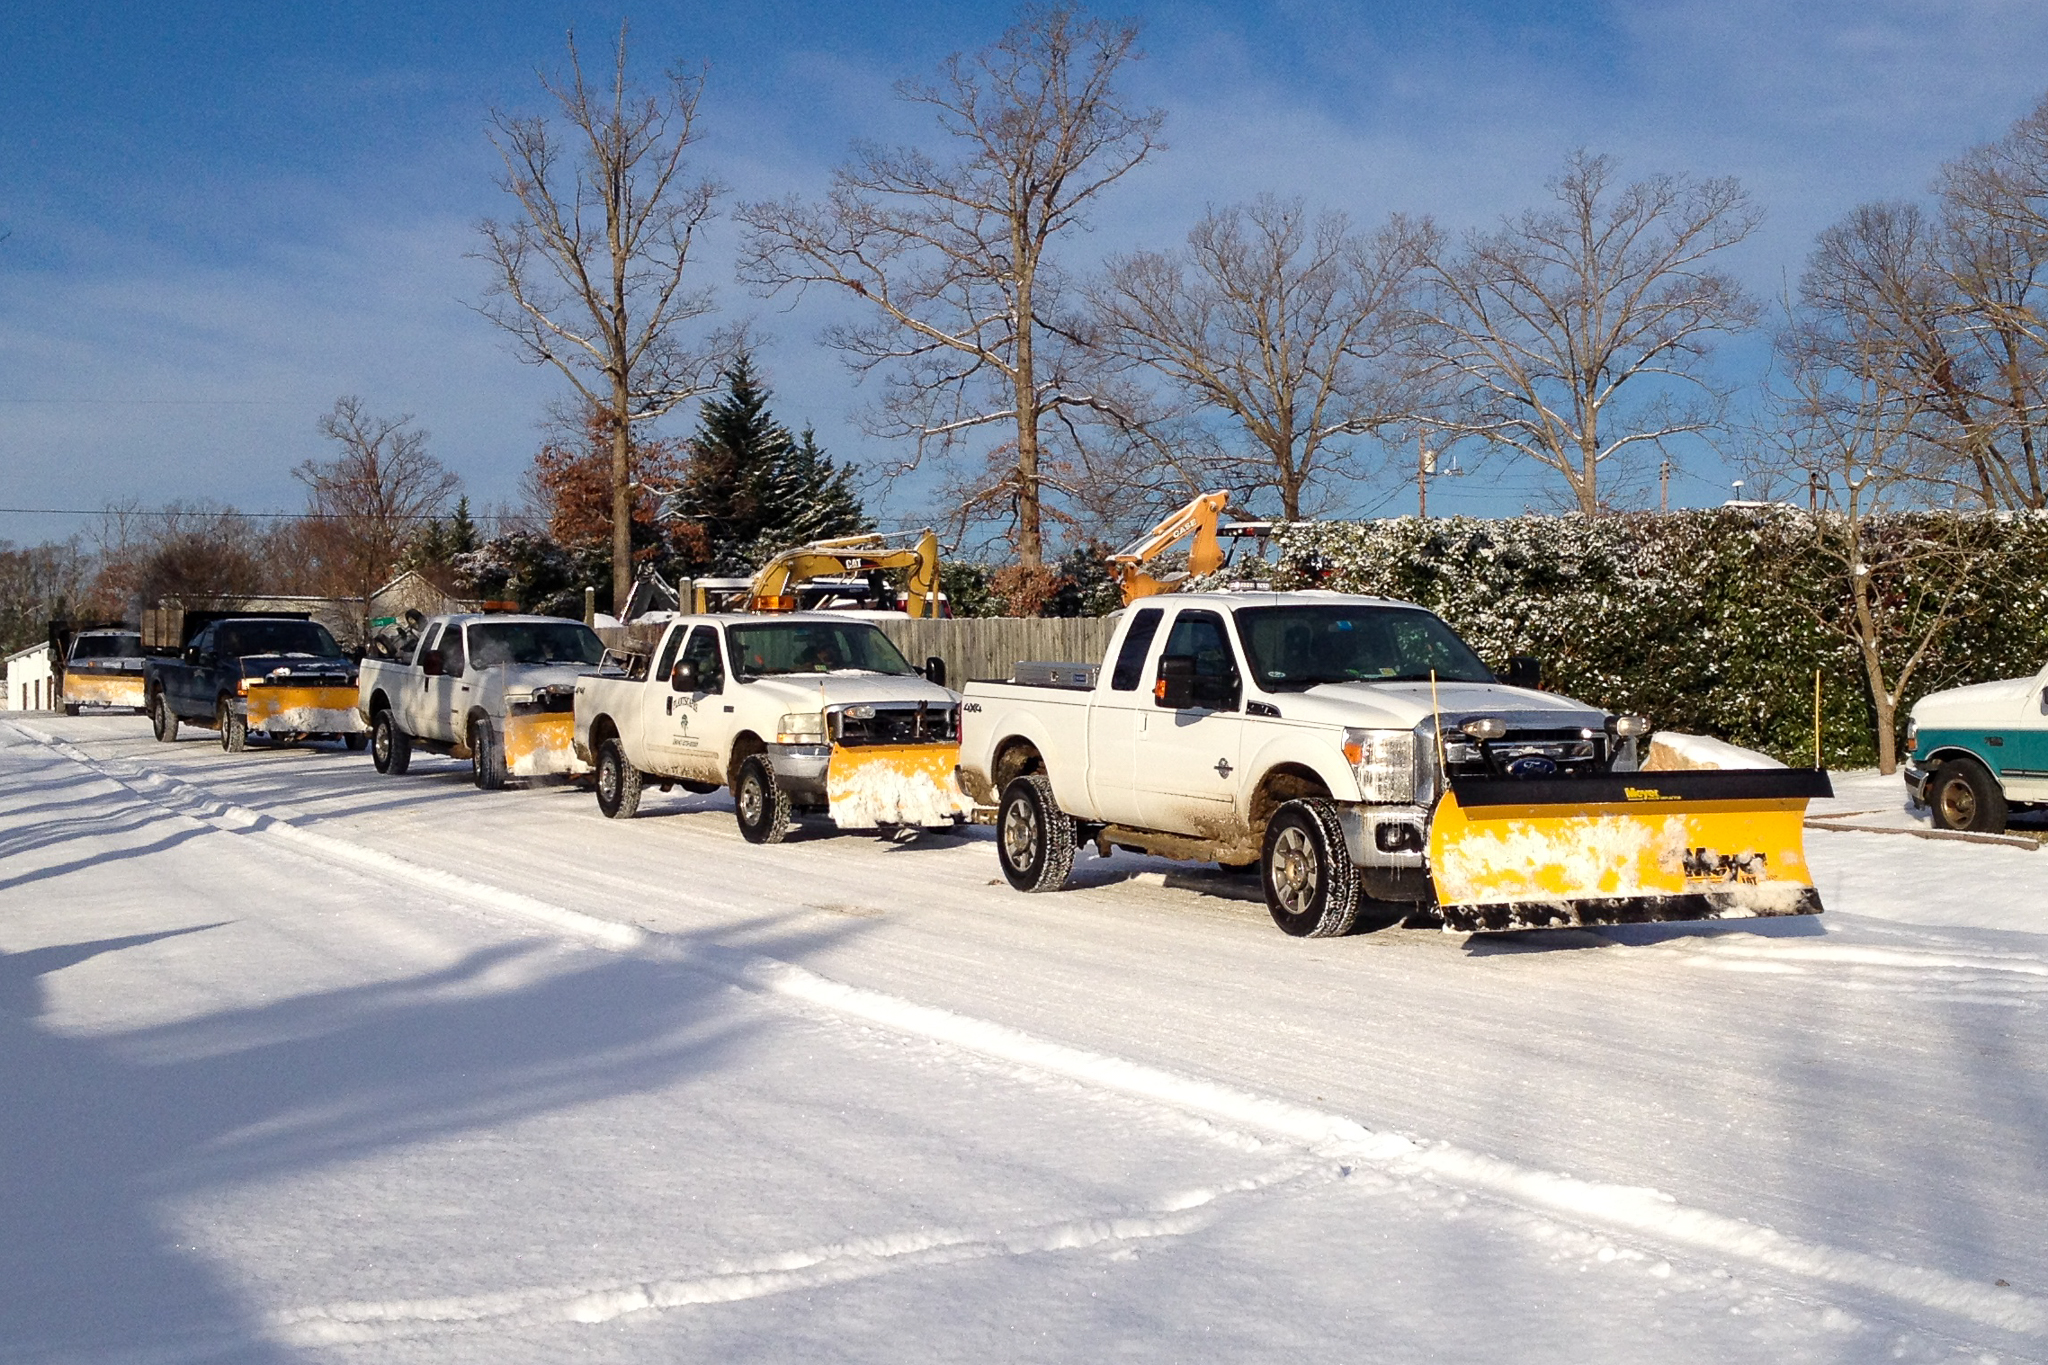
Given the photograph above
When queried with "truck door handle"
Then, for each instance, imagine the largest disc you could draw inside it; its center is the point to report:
(1222, 767)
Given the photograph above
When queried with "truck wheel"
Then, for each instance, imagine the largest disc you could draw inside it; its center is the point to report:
(1311, 882)
(355, 743)
(760, 802)
(234, 729)
(618, 782)
(390, 747)
(1965, 796)
(70, 708)
(161, 720)
(486, 757)
(1034, 837)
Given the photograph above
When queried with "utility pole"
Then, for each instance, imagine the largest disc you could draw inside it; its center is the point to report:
(1425, 465)
(1664, 485)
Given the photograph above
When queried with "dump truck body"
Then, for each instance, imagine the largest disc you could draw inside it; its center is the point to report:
(1490, 806)
(842, 725)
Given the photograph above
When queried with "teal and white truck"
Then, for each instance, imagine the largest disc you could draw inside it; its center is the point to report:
(1980, 752)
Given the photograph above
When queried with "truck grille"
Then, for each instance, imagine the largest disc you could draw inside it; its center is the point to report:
(1528, 753)
(895, 725)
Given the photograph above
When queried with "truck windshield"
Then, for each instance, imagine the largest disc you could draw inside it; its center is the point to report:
(106, 647)
(238, 639)
(1295, 647)
(533, 642)
(811, 647)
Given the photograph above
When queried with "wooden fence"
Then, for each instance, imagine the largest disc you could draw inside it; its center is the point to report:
(972, 646)
(991, 646)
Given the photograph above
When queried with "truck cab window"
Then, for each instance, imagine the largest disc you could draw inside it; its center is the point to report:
(703, 652)
(453, 661)
(429, 642)
(1200, 635)
(1130, 660)
(666, 664)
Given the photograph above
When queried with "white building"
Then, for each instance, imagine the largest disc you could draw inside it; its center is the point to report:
(31, 679)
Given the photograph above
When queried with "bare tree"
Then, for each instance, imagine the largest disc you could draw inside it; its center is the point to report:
(957, 257)
(184, 550)
(1286, 326)
(1952, 302)
(1573, 335)
(589, 276)
(367, 503)
(1846, 430)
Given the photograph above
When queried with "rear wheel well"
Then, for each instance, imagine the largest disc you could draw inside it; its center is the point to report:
(601, 730)
(1014, 759)
(1288, 782)
(379, 702)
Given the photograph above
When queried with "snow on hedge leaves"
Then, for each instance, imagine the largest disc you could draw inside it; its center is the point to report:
(1704, 621)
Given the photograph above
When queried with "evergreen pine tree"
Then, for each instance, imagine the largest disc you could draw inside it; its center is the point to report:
(751, 488)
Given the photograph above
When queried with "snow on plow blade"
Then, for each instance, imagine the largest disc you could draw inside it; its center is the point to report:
(895, 784)
(296, 710)
(103, 689)
(1623, 848)
(542, 743)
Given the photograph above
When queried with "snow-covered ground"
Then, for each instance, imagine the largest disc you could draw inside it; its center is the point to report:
(305, 1064)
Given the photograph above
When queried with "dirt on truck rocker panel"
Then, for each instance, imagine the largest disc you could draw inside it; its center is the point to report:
(1357, 753)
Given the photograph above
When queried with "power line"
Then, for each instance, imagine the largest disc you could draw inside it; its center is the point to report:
(232, 512)
(166, 402)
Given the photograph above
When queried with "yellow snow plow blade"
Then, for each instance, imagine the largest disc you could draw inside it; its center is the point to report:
(895, 784)
(299, 710)
(1623, 848)
(542, 743)
(103, 689)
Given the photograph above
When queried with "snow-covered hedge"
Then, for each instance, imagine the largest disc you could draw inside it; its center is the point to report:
(1699, 620)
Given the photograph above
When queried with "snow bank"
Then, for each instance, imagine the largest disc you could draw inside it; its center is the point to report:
(1671, 751)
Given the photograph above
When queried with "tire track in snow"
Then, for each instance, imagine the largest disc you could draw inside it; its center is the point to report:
(1645, 1212)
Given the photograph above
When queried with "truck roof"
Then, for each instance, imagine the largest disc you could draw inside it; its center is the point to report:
(1300, 596)
(463, 618)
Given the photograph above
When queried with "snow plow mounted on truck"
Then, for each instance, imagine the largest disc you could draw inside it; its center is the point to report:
(798, 713)
(1356, 751)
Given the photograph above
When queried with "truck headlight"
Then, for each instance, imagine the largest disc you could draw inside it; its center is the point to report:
(1628, 727)
(1385, 763)
(801, 727)
(1912, 735)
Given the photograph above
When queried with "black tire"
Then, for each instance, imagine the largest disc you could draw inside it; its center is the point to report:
(760, 803)
(618, 782)
(1310, 881)
(1964, 795)
(161, 720)
(390, 747)
(70, 708)
(1034, 837)
(486, 757)
(234, 729)
(355, 743)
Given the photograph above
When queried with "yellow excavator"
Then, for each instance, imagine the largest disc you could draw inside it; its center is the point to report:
(1199, 519)
(775, 588)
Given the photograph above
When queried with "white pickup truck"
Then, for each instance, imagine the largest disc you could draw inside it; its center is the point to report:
(497, 690)
(809, 712)
(1310, 734)
(1979, 752)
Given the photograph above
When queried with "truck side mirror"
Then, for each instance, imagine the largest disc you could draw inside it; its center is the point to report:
(1525, 670)
(192, 654)
(1176, 685)
(683, 677)
(2044, 701)
(430, 663)
(935, 669)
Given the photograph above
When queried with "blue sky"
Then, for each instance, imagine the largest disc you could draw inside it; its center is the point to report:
(224, 216)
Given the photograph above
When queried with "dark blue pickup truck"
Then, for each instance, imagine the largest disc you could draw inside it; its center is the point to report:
(279, 678)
